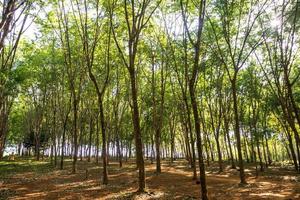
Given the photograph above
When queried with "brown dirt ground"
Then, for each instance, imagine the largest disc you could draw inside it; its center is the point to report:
(175, 182)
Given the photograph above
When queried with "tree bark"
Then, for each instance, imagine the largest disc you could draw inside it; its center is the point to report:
(237, 129)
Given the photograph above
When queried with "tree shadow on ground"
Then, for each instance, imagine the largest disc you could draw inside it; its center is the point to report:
(175, 182)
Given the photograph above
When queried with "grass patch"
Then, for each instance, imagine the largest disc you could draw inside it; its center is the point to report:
(9, 168)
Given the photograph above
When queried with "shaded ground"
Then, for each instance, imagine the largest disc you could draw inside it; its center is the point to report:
(27, 179)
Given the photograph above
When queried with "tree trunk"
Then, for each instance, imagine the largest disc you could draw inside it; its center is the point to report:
(104, 152)
(237, 129)
(119, 153)
(199, 143)
(220, 160)
(90, 139)
(75, 143)
(97, 140)
(63, 144)
(137, 129)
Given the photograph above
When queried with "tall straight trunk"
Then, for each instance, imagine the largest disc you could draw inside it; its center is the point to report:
(246, 147)
(137, 129)
(75, 132)
(206, 150)
(19, 149)
(37, 147)
(161, 110)
(253, 156)
(119, 153)
(192, 142)
(192, 87)
(199, 143)
(90, 139)
(100, 94)
(97, 140)
(104, 152)
(206, 140)
(220, 160)
(259, 155)
(3, 133)
(147, 151)
(268, 150)
(155, 122)
(152, 149)
(211, 151)
(157, 148)
(226, 147)
(187, 143)
(51, 154)
(182, 149)
(108, 141)
(136, 22)
(56, 146)
(275, 151)
(237, 129)
(126, 152)
(81, 143)
(216, 131)
(63, 145)
(172, 132)
(290, 144)
(54, 131)
(264, 151)
(184, 89)
(129, 149)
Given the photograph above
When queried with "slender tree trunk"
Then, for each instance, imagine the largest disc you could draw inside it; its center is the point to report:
(90, 139)
(37, 146)
(75, 140)
(291, 146)
(237, 130)
(264, 151)
(259, 156)
(246, 148)
(172, 132)
(152, 149)
(192, 141)
(55, 150)
(63, 145)
(51, 154)
(199, 144)
(187, 144)
(97, 140)
(157, 148)
(220, 160)
(206, 150)
(268, 151)
(119, 153)
(104, 152)
(210, 147)
(137, 129)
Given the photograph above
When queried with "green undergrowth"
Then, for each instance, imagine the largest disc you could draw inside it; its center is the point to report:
(11, 167)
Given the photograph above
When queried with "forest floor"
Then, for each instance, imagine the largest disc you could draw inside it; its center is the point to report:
(29, 179)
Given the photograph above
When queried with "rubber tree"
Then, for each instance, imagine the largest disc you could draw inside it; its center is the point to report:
(234, 44)
(136, 15)
(192, 80)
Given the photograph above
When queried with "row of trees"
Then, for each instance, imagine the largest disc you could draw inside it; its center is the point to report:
(12, 13)
(206, 80)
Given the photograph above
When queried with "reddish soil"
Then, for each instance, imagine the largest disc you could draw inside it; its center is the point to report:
(175, 182)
